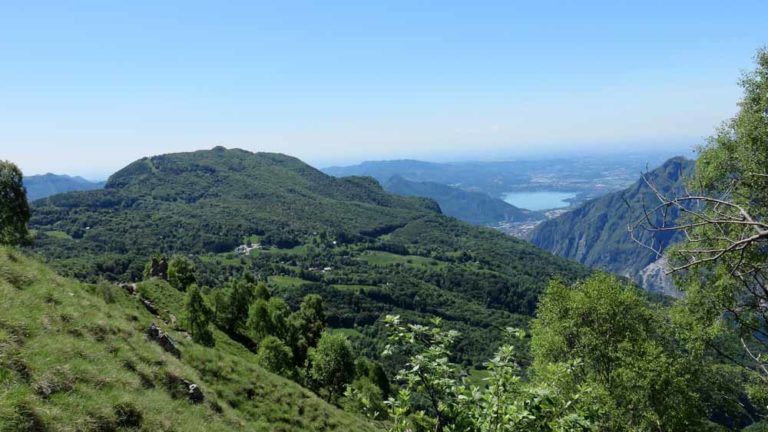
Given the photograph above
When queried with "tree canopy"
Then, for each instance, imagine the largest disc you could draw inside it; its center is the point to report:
(14, 209)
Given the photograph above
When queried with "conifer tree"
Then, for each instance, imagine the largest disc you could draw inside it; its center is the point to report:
(198, 317)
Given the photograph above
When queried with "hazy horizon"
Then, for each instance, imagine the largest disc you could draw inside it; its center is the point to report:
(88, 87)
(98, 176)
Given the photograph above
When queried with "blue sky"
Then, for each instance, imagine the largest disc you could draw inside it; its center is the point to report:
(87, 87)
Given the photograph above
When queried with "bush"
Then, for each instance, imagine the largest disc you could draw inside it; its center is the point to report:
(276, 357)
(332, 364)
(181, 273)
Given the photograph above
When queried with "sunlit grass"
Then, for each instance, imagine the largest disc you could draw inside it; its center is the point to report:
(74, 357)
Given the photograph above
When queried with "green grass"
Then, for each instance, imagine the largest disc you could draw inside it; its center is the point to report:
(287, 281)
(254, 239)
(386, 258)
(74, 357)
(354, 288)
(61, 235)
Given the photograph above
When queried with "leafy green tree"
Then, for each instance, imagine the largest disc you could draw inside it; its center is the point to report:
(181, 272)
(259, 321)
(198, 317)
(365, 397)
(305, 327)
(428, 373)
(625, 350)
(312, 315)
(296, 339)
(262, 291)
(722, 262)
(279, 312)
(436, 395)
(218, 298)
(275, 356)
(240, 293)
(14, 209)
(373, 371)
(331, 365)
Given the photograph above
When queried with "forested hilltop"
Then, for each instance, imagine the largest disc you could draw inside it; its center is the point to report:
(596, 233)
(367, 252)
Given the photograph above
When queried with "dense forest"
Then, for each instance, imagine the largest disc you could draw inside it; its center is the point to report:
(224, 289)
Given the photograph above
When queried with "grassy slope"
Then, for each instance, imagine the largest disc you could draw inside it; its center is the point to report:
(74, 357)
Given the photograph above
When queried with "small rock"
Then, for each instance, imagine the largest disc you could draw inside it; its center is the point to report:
(195, 394)
(150, 307)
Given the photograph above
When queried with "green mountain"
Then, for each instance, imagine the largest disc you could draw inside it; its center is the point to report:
(41, 186)
(473, 207)
(596, 233)
(75, 356)
(367, 252)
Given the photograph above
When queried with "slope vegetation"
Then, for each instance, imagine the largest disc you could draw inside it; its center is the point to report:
(75, 357)
(366, 251)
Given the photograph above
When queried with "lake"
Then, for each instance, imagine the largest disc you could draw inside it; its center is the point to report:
(542, 200)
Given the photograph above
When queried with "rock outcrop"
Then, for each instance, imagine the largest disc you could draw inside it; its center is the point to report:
(164, 340)
(158, 268)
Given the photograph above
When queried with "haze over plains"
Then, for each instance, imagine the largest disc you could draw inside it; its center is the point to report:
(87, 87)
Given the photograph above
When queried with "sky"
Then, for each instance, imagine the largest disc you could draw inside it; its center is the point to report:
(88, 87)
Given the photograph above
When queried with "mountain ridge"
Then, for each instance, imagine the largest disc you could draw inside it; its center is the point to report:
(473, 207)
(595, 233)
(45, 185)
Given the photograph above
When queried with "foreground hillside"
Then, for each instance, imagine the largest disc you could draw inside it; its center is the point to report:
(473, 207)
(367, 252)
(596, 233)
(75, 357)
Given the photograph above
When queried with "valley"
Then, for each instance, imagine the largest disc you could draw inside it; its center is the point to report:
(544, 188)
(383, 216)
(399, 254)
(540, 200)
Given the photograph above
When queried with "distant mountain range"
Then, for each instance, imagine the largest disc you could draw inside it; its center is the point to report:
(588, 176)
(41, 186)
(596, 232)
(473, 207)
